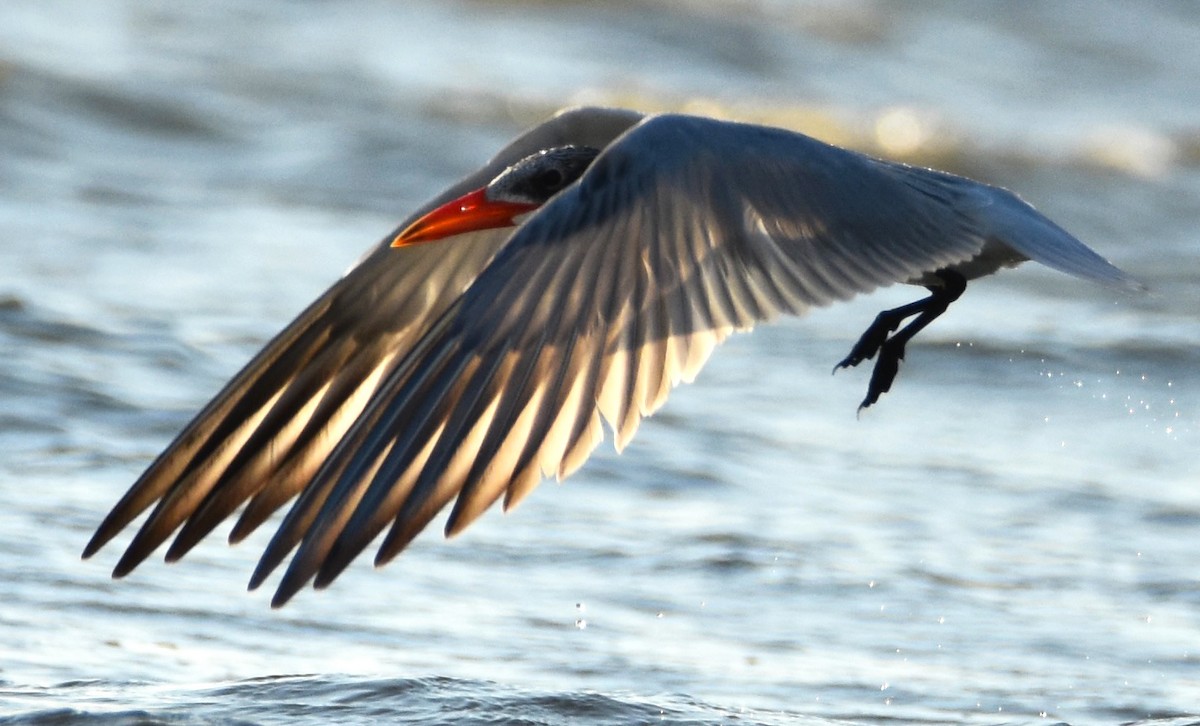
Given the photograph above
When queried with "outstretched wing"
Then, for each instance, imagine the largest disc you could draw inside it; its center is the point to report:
(267, 433)
(683, 231)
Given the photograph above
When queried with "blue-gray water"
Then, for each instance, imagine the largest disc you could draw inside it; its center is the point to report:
(1011, 536)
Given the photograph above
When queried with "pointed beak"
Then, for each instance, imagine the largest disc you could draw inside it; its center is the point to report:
(469, 213)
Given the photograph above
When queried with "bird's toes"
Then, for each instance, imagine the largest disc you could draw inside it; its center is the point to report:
(886, 369)
(864, 349)
(869, 343)
(846, 362)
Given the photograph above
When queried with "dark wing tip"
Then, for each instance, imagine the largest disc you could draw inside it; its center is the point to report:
(271, 558)
(293, 582)
(129, 562)
(117, 519)
(333, 566)
(98, 540)
(179, 548)
(259, 576)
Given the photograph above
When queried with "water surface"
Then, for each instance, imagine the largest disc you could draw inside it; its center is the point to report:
(1009, 537)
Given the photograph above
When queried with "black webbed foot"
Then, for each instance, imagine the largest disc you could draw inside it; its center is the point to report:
(873, 339)
(884, 373)
(880, 340)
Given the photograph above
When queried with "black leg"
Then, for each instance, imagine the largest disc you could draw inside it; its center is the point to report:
(879, 338)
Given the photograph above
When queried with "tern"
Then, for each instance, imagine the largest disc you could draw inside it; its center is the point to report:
(569, 283)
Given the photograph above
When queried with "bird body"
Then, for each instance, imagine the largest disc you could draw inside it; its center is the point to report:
(572, 281)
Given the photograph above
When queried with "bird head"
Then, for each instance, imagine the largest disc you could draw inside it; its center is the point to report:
(518, 190)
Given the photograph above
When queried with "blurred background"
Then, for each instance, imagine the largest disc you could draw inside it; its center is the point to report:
(1010, 536)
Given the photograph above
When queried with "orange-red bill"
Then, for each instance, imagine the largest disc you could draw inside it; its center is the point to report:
(469, 213)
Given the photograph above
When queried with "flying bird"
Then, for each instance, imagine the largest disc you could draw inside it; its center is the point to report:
(572, 281)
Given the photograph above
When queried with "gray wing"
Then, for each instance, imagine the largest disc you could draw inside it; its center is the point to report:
(683, 231)
(267, 433)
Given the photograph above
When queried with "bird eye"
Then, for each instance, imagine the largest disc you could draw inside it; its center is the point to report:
(549, 179)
